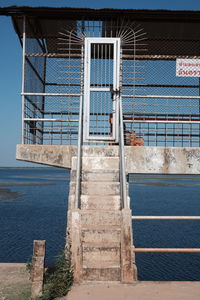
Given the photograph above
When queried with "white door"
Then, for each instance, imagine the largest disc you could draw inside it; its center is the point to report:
(101, 89)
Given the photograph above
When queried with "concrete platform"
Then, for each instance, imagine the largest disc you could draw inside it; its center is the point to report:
(143, 290)
(14, 279)
(14, 282)
(13, 272)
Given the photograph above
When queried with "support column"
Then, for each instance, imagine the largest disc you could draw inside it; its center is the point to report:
(128, 267)
(74, 219)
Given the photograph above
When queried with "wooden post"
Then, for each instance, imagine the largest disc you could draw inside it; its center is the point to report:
(37, 268)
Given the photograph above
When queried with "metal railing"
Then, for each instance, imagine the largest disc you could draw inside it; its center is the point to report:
(167, 250)
(158, 107)
(51, 87)
(79, 146)
(122, 170)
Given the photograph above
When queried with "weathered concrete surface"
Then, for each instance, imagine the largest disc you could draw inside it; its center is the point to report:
(162, 160)
(104, 243)
(98, 188)
(155, 160)
(100, 202)
(59, 155)
(37, 274)
(51, 155)
(128, 266)
(97, 163)
(74, 229)
(137, 291)
(101, 218)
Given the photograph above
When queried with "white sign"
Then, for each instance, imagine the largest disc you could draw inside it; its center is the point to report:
(188, 67)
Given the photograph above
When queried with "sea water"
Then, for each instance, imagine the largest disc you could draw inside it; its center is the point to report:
(33, 205)
(37, 212)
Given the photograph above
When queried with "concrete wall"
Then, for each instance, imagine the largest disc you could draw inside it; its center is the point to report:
(51, 155)
(155, 160)
(162, 160)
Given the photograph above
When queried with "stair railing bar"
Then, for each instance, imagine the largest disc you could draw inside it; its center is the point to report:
(122, 159)
(23, 78)
(166, 218)
(169, 250)
(80, 139)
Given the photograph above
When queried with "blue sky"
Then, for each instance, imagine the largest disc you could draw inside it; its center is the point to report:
(11, 56)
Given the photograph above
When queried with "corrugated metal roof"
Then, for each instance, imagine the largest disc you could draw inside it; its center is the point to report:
(54, 12)
(166, 29)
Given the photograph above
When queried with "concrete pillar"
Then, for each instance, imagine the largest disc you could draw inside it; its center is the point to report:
(128, 267)
(37, 268)
(74, 220)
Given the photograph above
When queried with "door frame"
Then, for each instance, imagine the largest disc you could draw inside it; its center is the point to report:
(115, 91)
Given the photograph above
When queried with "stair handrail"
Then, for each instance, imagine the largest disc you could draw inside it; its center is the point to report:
(80, 140)
(122, 170)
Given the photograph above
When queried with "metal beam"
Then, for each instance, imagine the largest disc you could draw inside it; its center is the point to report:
(159, 57)
(168, 121)
(51, 94)
(50, 120)
(161, 96)
(166, 218)
(169, 250)
(23, 75)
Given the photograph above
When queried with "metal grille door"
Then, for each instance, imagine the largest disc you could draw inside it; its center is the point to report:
(101, 89)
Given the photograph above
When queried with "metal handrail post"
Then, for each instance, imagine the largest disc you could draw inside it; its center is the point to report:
(79, 146)
(122, 158)
(23, 76)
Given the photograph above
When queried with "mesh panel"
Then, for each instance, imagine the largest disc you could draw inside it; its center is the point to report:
(101, 109)
(158, 106)
(52, 69)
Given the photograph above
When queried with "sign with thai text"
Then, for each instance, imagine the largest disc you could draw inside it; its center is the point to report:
(188, 67)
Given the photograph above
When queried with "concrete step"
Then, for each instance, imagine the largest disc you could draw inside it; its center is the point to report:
(97, 175)
(101, 151)
(97, 244)
(97, 188)
(101, 237)
(99, 202)
(101, 227)
(102, 274)
(97, 163)
(100, 219)
(101, 257)
(97, 264)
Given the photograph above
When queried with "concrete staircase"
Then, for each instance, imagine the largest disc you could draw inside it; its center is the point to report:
(100, 221)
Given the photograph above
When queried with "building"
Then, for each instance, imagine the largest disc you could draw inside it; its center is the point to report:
(106, 93)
